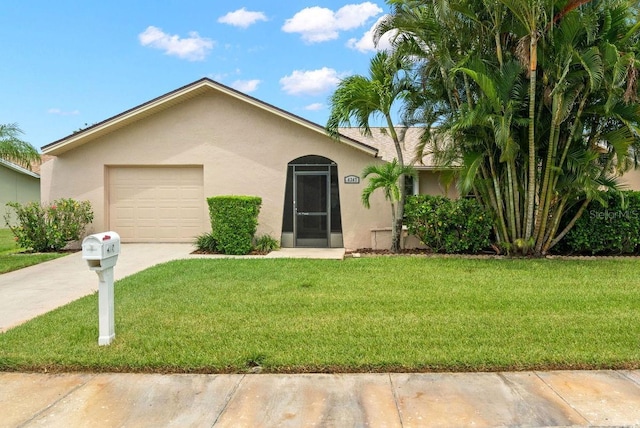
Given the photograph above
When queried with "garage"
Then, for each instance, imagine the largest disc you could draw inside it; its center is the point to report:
(156, 204)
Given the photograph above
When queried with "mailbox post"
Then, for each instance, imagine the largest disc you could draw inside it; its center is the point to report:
(101, 253)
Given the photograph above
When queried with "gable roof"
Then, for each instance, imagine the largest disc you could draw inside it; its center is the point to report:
(179, 95)
(17, 168)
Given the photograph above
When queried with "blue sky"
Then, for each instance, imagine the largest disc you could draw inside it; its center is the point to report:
(70, 63)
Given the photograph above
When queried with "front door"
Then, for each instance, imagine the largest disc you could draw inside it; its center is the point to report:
(311, 209)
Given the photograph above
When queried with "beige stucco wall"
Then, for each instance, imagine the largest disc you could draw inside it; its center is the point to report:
(244, 150)
(430, 184)
(631, 180)
(16, 187)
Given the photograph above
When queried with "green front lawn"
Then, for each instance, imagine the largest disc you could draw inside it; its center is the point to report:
(369, 314)
(13, 257)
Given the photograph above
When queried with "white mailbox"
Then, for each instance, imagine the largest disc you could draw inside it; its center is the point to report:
(101, 250)
(101, 253)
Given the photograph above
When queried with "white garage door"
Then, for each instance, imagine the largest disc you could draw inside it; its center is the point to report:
(156, 204)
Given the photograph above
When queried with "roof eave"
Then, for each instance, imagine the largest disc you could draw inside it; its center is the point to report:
(18, 168)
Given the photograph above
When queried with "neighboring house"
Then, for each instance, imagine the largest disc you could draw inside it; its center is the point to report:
(149, 170)
(17, 184)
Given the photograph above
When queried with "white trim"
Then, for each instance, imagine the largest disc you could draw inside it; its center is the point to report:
(18, 168)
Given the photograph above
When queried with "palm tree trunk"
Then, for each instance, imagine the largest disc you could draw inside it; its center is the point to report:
(499, 203)
(546, 192)
(396, 229)
(554, 227)
(570, 225)
(531, 194)
(511, 217)
(395, 234)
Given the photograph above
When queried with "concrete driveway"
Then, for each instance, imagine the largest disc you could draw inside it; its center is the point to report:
(33, 291)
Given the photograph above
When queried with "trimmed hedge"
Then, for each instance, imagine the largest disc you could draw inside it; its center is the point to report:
(606, 230)
(448, 225)
(234, 220)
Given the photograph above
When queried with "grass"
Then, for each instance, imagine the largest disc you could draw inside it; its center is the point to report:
(408, 314)
(13, 257)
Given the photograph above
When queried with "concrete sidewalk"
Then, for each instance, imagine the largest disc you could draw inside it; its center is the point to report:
(532, 399)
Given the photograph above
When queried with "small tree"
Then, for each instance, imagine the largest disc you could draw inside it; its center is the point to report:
(386, 177)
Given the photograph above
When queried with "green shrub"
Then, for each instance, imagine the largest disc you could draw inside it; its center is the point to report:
(266, 243)
(46, 228)
(206, 243)
(610, 229)
(448, 225)
(234, 220)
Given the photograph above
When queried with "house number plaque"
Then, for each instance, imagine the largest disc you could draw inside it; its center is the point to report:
(352, 179)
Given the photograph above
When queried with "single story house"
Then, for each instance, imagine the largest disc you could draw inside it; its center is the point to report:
(17, 184)
(148, 171)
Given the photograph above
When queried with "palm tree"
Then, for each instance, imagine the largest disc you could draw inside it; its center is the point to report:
(387, 178)
(13, 149)
(537, 102)
(362, 98)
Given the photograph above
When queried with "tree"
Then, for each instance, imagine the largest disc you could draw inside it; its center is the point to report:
(387, 178)
(536, 100)
(13, 149)
(362, 98)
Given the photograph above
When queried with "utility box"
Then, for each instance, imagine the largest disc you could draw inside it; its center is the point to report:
(101, 250)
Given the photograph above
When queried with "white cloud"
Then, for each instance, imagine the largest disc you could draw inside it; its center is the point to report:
(314, 107)
(192, 48)
(356, 15)
(246, 86)
(366, 45)
(63, 113)
(310, 82)
(319, 24)
(242, 18)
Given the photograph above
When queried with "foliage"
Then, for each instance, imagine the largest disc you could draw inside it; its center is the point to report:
(234, 220)
(266, 244)
(206, 243)
(448, 225)
(612, 228)
(15, 150)
(536, 100)
(387, 178)
(45, 228)
(408, 314)
(361, 98)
